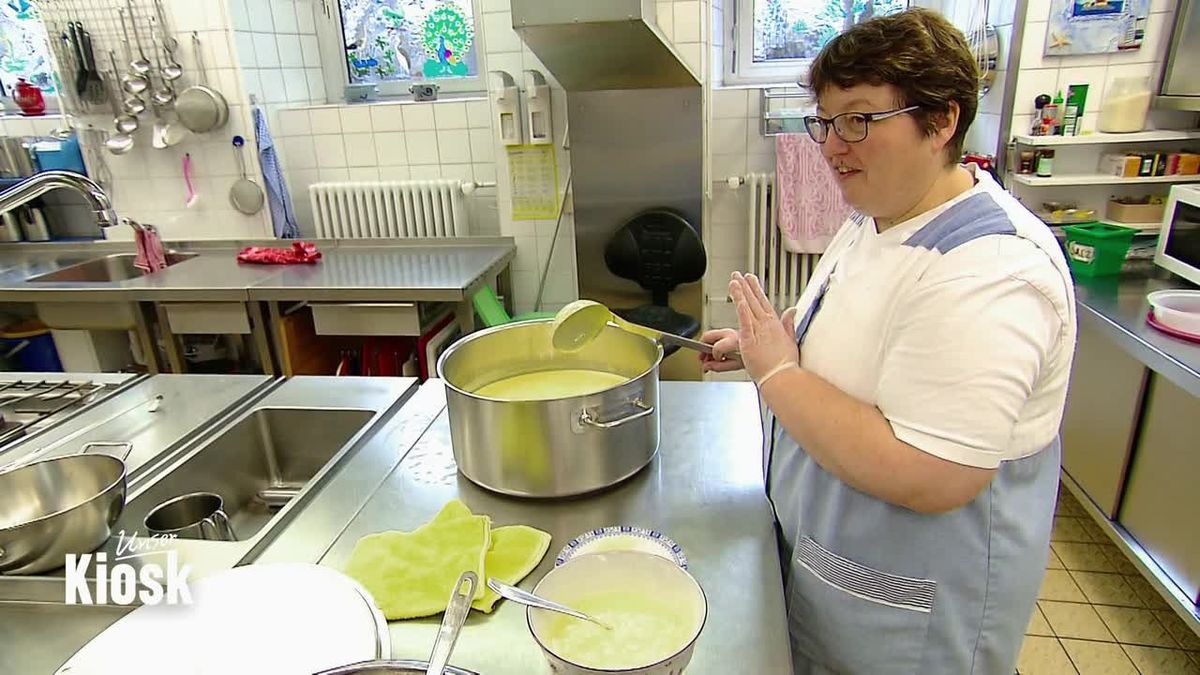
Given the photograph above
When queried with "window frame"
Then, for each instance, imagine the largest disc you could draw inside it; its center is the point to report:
(337, 71)
(739, 66)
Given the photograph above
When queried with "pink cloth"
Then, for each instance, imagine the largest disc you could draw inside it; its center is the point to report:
(151, 257)
(810, 207)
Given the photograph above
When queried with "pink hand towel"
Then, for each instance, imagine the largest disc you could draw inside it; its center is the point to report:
(810, 207)
(142, 260)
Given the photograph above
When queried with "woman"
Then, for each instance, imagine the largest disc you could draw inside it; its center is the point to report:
(917, 388)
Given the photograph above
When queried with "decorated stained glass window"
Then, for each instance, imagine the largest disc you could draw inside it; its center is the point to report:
(388, 40)
(24, 52)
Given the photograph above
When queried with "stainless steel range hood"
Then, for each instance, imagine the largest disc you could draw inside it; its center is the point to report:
(598, 45)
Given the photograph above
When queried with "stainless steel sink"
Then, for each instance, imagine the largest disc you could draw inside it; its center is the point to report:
(116, 267)
(257, 465)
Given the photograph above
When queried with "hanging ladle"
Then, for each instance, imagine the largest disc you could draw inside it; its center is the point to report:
(133, 82)
(171, 69)
(141, 65)
(132, 103)
(164, 93)
(122, 141)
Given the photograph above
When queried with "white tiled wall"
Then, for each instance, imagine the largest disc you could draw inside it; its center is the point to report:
(148, 183)
(682, 22)
(737, 148)
(505, 51)
(1049, 74)
(276, 47)
(387, 141)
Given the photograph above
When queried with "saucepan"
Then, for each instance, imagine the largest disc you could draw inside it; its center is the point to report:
(551, 446)
(52, 507)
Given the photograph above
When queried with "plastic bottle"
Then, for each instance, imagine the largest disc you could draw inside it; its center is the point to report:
(1056, 120)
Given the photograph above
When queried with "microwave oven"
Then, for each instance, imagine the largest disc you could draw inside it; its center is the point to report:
(1179, 239)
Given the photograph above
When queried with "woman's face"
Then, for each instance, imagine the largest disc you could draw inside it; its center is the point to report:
(888, 172)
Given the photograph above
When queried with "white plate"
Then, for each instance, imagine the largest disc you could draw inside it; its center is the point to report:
(270, 618)
(623, 538)
(1177, 309)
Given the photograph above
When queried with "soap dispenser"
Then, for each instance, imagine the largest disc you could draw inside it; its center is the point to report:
(508, 107)
(537, 109)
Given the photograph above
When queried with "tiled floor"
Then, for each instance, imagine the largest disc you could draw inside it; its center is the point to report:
(1096, 615)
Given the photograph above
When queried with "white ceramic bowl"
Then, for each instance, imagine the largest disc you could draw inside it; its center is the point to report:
(621, 572)
(1177, 309)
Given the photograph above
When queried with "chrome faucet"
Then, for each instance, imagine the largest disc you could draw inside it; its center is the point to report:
(41, 183)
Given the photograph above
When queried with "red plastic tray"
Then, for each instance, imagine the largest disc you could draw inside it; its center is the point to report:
(1173, 332)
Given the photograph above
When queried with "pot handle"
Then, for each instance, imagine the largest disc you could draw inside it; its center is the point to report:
(587, 417)
(128, 447)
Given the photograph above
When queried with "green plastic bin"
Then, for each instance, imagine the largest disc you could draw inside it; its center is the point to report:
(1097, 249)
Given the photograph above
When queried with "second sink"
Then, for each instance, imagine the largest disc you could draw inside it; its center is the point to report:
(117, 267)
(257, 465)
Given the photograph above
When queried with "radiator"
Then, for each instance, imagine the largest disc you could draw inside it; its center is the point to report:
(371, 210)
(783, 274)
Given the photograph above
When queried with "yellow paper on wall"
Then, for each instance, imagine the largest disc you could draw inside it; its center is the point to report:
(533, 173)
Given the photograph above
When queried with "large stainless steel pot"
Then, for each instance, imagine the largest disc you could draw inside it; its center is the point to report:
(556, 447)
(53, 507)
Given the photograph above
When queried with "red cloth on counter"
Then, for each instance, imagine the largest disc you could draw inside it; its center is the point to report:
(301, 253)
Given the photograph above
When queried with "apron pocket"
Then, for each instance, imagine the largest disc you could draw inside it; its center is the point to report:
(854, 619)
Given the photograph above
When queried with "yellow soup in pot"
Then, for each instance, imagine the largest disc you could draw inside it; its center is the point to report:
(551, 384)
(644, 631)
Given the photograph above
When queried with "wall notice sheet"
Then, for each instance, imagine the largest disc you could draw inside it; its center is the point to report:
(534, 173)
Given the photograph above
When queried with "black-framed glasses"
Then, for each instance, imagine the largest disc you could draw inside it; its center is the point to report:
(849, 126)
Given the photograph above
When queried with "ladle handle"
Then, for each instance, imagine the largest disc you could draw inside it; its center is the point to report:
(456, 614)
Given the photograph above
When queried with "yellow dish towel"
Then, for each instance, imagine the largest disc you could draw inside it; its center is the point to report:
(516, 551)
(411, 575)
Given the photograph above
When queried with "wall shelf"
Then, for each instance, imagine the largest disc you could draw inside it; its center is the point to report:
(1153, 136)
(1098, 179)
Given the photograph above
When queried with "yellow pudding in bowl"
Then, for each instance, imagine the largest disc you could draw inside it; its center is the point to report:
(643, 631)
(551, 384)
(655, 608)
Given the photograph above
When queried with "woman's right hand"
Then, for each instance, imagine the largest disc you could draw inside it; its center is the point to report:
(725, 344)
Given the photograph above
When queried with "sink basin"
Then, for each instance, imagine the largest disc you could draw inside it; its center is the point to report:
(257, 465)
(117, 267)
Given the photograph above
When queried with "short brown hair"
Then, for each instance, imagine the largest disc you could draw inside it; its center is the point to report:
(918, 52)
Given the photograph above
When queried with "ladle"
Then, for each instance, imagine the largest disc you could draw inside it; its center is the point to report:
(580, 322)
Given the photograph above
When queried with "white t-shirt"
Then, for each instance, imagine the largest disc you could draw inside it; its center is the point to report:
(959, 325)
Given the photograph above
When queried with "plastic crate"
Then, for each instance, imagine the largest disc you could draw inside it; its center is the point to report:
(1097, 249)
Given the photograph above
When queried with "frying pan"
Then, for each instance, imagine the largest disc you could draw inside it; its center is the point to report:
(201, 108)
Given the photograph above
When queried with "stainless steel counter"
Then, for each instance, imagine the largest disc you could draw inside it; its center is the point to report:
(38, 632)
(386, 269)
(388, 274)
(1118, 307)
(188, 403)
(704, 490)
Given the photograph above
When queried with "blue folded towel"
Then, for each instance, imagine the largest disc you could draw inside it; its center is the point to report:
(282, 218)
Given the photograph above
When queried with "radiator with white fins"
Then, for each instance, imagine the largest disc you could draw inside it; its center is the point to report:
(783, 274)
(381, 209)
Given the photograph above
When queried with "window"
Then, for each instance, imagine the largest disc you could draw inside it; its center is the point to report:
(395, 42)
(24, 52)
(773, 41)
